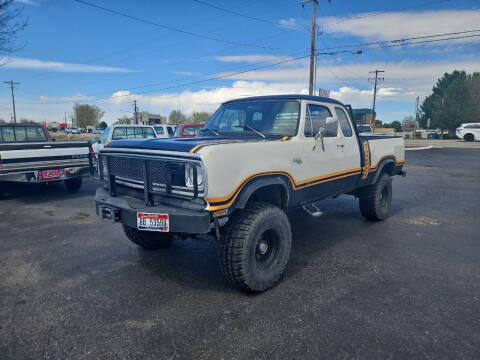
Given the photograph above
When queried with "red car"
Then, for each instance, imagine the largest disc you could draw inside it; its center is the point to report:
(188, 130)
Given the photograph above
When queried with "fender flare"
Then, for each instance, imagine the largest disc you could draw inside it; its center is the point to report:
(382, 164)
(258, 183)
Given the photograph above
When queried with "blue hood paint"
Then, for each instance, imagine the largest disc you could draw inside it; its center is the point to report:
(180, 144)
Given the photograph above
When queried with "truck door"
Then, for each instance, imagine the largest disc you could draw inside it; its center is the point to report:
(348, 144)
(328, 163)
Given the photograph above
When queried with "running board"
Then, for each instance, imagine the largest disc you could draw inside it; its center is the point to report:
(313, 210)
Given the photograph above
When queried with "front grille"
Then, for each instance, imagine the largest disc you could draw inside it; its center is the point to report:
(161, 176)
(128, 168)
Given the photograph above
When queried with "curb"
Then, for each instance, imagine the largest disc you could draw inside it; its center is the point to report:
(423, 148)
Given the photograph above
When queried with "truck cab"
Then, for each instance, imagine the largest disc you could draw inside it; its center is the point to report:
(254, 159)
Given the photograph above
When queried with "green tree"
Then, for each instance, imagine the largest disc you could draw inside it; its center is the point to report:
(396, 125)
(451, 102)
(176, 117)
(200, 117)
(86, 115)
(124, 120)
(473, 86)
(103, 125)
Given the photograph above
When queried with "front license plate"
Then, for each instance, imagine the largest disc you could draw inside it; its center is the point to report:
(50, 174)
(152, 222)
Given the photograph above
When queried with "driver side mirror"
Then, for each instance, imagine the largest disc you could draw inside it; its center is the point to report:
(331, 126)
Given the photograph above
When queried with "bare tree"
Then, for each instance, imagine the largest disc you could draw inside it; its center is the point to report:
(409, 122)
(11, 22)
(87, 115)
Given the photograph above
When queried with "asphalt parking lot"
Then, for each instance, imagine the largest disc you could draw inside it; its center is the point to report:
(72, 286)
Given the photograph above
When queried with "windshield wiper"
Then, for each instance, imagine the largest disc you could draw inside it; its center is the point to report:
(213, 131)
(246, 126)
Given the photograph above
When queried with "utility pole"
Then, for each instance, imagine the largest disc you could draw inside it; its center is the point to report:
(135, 111)
(312, 43)
(12, 85)
(376, 72)
(416, 117)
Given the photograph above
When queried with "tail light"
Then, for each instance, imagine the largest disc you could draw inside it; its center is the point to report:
(91, 152)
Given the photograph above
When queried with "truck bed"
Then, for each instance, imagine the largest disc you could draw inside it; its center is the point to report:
(20, 157)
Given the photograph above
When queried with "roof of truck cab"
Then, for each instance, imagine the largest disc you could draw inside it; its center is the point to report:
(286, 97)
(21, 124)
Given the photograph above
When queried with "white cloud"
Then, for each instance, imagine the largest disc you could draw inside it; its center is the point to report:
(415, 75)
(395, 25)
(35, 64)
(289, 23)
(74, 98)
(256, 58)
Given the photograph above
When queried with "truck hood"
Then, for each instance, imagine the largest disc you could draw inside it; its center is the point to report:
(183, 144)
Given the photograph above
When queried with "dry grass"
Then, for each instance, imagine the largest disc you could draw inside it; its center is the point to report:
(61, 136)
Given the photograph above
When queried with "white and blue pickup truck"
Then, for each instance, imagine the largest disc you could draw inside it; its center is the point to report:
(28, 155)
(254, 159)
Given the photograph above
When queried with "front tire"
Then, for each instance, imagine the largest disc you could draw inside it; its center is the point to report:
(73, 184)
(375, 200)
(469, 137)
(255, 246)
(149, 240)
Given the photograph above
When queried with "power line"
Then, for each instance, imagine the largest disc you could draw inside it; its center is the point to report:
(354, 52)
(171, 28)
(228, 11)
(401, 40)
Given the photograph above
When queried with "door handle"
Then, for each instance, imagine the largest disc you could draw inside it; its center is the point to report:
(341, 146)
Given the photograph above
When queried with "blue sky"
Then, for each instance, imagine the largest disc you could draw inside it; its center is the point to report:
(77, 53)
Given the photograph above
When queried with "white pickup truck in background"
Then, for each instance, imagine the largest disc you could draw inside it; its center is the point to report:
(28, 154)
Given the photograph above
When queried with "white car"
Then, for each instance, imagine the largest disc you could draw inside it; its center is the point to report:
(124, 132)
(469, 132)
(255, 159)
(72, 130)
(164, 131)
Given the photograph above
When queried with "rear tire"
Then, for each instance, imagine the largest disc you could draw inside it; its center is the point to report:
(255, 246)
(73, 184)
(469, 137)
(148, 239)
(375, 200)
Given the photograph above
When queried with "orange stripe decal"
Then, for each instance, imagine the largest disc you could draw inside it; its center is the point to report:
(296, 185)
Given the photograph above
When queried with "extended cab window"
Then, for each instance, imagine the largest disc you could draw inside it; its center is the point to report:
(148, 133)
(7, 134)
(316, 119)
(170, 130)
(159, 130)
(35, 133)
(344, 123)
(20, 134)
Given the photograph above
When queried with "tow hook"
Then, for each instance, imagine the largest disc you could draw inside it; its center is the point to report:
(109, 214)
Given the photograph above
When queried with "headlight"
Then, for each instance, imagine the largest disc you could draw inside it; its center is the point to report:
(189, 175)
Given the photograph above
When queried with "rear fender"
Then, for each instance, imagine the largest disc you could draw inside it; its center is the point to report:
(384, 165)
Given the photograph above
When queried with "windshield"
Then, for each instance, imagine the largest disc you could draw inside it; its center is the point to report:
(266, 117)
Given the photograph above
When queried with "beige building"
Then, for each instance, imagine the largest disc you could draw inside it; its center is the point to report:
(146, 118)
